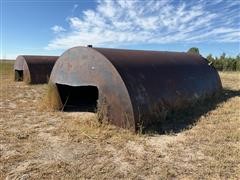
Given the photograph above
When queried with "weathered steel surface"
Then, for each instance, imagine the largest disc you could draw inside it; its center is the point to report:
(18, 65)
(136, 87)
(87, 67)
(36, 69)
(161, 81)
(18, 68)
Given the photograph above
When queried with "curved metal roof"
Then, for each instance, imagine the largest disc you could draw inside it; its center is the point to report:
(156, 81)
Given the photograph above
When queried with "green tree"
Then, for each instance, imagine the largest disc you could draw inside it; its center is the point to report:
(223, 56)
(194, 50)
(210, 58)
(238, 57)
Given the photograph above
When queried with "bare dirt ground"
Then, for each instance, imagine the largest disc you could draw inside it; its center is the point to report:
(36, 143)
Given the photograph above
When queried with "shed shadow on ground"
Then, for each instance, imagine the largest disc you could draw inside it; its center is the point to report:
(185, 119)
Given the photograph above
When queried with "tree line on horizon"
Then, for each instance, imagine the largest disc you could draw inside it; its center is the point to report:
(221, 63)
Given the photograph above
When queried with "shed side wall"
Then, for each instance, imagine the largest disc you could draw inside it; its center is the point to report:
(161, 81)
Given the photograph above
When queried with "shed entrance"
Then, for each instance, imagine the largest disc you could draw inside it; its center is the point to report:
(78, 98)
(18, 75)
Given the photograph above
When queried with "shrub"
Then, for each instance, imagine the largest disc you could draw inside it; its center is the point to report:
(224, 63)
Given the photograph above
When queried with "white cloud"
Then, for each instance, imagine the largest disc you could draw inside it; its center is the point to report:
(75, 6)
(114, 23)
(57, 29)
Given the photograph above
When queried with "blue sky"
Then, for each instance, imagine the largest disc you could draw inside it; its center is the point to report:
(51, 27)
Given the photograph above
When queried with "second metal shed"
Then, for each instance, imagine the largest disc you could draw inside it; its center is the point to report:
(34, 69)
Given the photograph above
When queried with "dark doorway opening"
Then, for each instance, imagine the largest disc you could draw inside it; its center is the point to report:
(78, 98)
(18, 75)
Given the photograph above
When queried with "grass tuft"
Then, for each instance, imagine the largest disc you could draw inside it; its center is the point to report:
(51, 100)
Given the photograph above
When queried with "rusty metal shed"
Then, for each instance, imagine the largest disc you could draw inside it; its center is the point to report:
(34, 69)
(131, 88)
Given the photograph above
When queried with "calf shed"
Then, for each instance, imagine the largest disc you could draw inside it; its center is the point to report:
(34, 69)
(130, 88)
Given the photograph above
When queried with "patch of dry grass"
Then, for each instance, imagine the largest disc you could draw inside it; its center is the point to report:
(40, 144)
(50, 99)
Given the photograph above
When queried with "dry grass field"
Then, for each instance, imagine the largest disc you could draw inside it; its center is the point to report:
(36, 143)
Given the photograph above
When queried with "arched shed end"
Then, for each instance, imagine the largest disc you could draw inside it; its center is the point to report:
(135, 88)
(18, 68)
